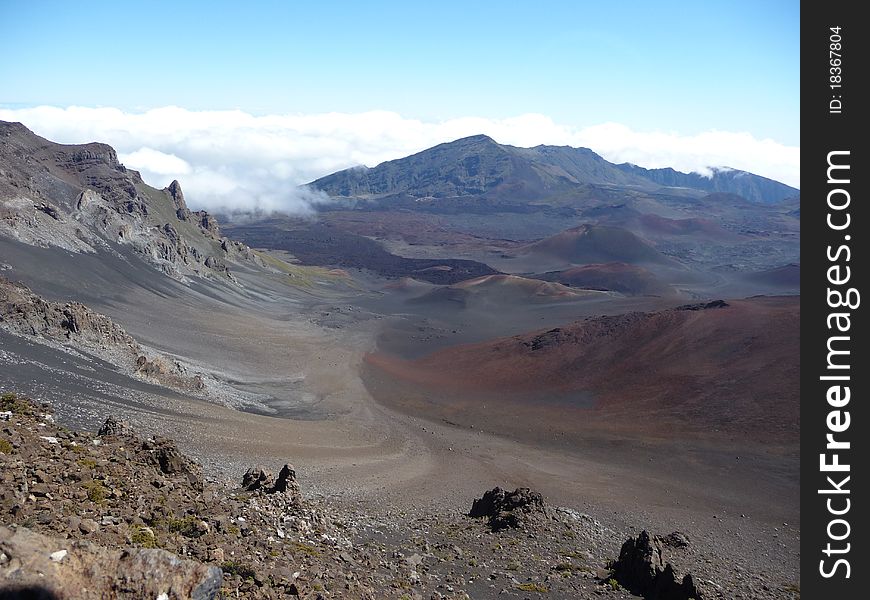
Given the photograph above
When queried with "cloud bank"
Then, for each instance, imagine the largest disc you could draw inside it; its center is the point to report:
(232, 160)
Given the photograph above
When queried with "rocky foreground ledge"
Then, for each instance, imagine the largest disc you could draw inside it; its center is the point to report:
(114, 515)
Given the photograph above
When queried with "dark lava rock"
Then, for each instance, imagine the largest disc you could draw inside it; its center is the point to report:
(112, 426)
(507, 509)
(704, 305)
(676, 539)
(256, 478)
(286, 482)
(642, 570)
(166, 456)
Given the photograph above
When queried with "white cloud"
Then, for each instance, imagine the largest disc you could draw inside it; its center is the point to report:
(235, 160)
(155, 161)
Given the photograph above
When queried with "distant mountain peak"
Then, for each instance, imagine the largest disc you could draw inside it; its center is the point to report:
(754, 188)
(478, 166)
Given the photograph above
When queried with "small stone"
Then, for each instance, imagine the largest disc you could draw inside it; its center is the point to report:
(88, 526)
(58, 556)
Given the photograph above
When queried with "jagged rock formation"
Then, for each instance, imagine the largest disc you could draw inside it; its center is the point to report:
(23, 312)
(82, 199)
(507, 509)
(112, 426)
(174, 191)
(644, 570)
(259, 479)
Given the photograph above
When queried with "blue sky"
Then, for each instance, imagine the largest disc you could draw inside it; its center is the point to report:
(684, 66)
(332, 84)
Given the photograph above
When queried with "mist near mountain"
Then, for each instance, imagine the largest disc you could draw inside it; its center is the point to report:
(234, 160)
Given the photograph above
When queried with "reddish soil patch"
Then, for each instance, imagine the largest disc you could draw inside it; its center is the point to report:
(729, 371)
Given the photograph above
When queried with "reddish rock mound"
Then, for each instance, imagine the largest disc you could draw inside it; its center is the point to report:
(587, 244)
(708, 368)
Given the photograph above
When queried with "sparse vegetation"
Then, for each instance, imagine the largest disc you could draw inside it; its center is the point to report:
(16, 404)
(187, 526)
(143, 537)
(304, 549)
(243, 570)
(533, 587)
(97, 492)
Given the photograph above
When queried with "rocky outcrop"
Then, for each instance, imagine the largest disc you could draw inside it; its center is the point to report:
(174, 191)
(643, 569)
(81, 199)
(166, 456)
(122, 517)
(507, 509)
(113, 426)
(704, 305)
(208, 224)
(259, 479)
(22, 311)
(76, 570)
(73, 324)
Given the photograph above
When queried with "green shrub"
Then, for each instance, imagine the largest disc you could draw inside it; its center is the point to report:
(305, 549)
(143, 537)
(533, 587)
(186, 526)
(97, 492)
(15, 403)
(5, 447)
(232, 567)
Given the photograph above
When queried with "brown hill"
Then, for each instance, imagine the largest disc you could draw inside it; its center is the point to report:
(615, 276)
(721, 368)
(587, 244)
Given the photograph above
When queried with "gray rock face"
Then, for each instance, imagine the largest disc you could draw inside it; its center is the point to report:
(177, 195)
(208, 224)
(23, 312)
(643, 570)
(77, 570)
(81, 199)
